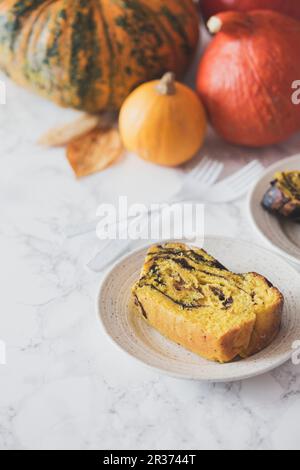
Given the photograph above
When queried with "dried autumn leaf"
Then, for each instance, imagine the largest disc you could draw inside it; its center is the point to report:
(61, 136)
(94, 151)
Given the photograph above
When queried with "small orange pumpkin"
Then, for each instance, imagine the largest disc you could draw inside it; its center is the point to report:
(163, 122)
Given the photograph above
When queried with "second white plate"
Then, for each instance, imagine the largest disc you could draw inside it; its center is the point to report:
(133, 336)
(283, 235)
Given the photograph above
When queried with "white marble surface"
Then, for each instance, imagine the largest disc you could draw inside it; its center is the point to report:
(65, 386)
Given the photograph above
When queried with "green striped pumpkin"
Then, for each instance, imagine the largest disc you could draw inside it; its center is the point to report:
(89, 54)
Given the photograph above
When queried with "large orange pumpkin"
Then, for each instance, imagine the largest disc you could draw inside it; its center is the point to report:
(89, 54)
(246, 76)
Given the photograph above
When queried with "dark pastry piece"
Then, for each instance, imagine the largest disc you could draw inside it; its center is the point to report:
(283, 196)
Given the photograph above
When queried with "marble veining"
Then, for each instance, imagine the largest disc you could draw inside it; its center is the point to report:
(65, 386)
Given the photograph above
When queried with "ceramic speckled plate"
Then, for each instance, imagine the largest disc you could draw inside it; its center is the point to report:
(136, 338)
(282, 234)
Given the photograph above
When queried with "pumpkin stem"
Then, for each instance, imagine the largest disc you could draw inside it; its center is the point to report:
(166, 85)
(214, 25)
(235, 23)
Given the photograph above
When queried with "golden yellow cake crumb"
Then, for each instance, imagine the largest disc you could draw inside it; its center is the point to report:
(190, 298)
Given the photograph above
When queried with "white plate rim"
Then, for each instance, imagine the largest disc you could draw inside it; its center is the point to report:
(242, 376)
(270, 172)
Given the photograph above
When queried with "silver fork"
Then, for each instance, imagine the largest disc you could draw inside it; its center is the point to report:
(204, 174)
(235, 186)
(229, 189)
(200, 178)
(198, 181)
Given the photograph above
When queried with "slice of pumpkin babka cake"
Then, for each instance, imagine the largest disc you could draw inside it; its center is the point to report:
(190, 298)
